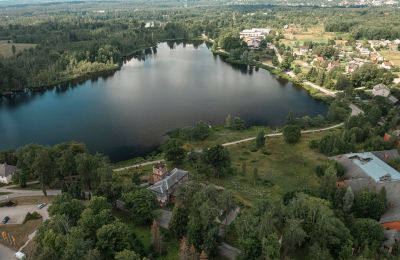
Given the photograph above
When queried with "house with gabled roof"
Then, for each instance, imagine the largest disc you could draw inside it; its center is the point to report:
(6, 173)
(166, 187)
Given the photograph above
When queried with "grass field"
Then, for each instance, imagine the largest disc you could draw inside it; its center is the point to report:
(19, 232)
(281, 168)
(315, 33)
(393, 56)
(6, 48)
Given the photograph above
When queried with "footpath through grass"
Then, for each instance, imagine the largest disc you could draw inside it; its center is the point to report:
(280, 167)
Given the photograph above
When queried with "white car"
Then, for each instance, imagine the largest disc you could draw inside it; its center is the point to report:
(41, 205)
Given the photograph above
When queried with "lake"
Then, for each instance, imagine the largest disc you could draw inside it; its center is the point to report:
(127, 114)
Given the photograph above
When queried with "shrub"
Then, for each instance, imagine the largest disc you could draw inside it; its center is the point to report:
(31, 216)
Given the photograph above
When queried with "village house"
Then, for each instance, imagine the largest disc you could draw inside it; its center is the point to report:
(6, 173)
(386, 65)
(332, 65)
(364, 51)
(165, 188)
(381, 90)
(353, 65)
(302, 51)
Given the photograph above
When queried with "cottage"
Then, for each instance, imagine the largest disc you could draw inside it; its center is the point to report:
(365, 51)
(386, 65)
(381, 90)
(6, 173)
(165, 188)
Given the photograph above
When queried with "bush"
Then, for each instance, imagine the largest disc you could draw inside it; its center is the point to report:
(9, 203)
(31, 216)
(291, 134)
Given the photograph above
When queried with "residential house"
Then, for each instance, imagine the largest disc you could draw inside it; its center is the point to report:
(396, 81)
(364, 51)
(159, 171)
(165, 188)
(332, 65)
(386, 65)
(381, 90)
(6, 173)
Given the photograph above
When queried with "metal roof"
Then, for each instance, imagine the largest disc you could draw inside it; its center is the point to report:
(171, 179)
(373, 166)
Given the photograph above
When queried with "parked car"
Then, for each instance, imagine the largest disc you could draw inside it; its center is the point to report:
(5, 219)
(41, 205)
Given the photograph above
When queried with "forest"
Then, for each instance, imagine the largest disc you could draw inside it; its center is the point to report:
(87, 42)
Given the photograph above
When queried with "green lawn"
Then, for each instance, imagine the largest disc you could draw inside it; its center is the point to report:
(281, 168)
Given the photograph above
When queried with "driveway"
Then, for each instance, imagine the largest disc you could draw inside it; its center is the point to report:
(6, 253)
(17, 214)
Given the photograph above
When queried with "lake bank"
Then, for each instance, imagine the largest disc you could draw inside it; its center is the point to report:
(128, 113)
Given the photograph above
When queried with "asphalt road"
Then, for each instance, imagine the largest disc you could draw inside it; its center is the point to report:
(6, 253)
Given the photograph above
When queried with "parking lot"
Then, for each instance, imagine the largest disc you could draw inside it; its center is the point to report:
(17, 214)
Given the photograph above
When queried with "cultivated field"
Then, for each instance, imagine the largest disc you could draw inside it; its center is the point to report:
(393, 56)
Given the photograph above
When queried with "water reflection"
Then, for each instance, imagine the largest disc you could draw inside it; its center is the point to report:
(127, 113)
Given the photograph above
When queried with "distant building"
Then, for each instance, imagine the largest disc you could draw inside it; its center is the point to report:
(6, 173)
(159, 171)
(255, 33)
(365, 51)
(370, 171)
(386, 65)
(381, 90)
(165, 188)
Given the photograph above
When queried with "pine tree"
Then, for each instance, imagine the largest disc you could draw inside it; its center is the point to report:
(229, 121)
(260, 140)
(244, 168)
(348, 200)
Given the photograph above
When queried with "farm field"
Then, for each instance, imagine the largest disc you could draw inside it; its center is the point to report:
(315, 33)
(392, 56)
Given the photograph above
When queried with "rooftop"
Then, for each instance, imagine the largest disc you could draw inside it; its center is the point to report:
(374, 167)
(170, 180)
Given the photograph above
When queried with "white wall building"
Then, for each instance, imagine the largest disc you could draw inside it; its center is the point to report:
(6, 173)
(381, 90)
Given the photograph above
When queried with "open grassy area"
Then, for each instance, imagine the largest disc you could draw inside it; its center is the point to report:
(6, 48)
(315, 33)
(392, 56)
(19, 232)
(281, 168)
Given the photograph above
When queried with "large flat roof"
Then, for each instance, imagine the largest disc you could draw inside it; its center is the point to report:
(373, 166)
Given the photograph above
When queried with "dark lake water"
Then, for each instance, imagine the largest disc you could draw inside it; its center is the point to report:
(127, 114)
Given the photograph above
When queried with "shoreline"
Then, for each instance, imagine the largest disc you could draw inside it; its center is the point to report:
(277, 72)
